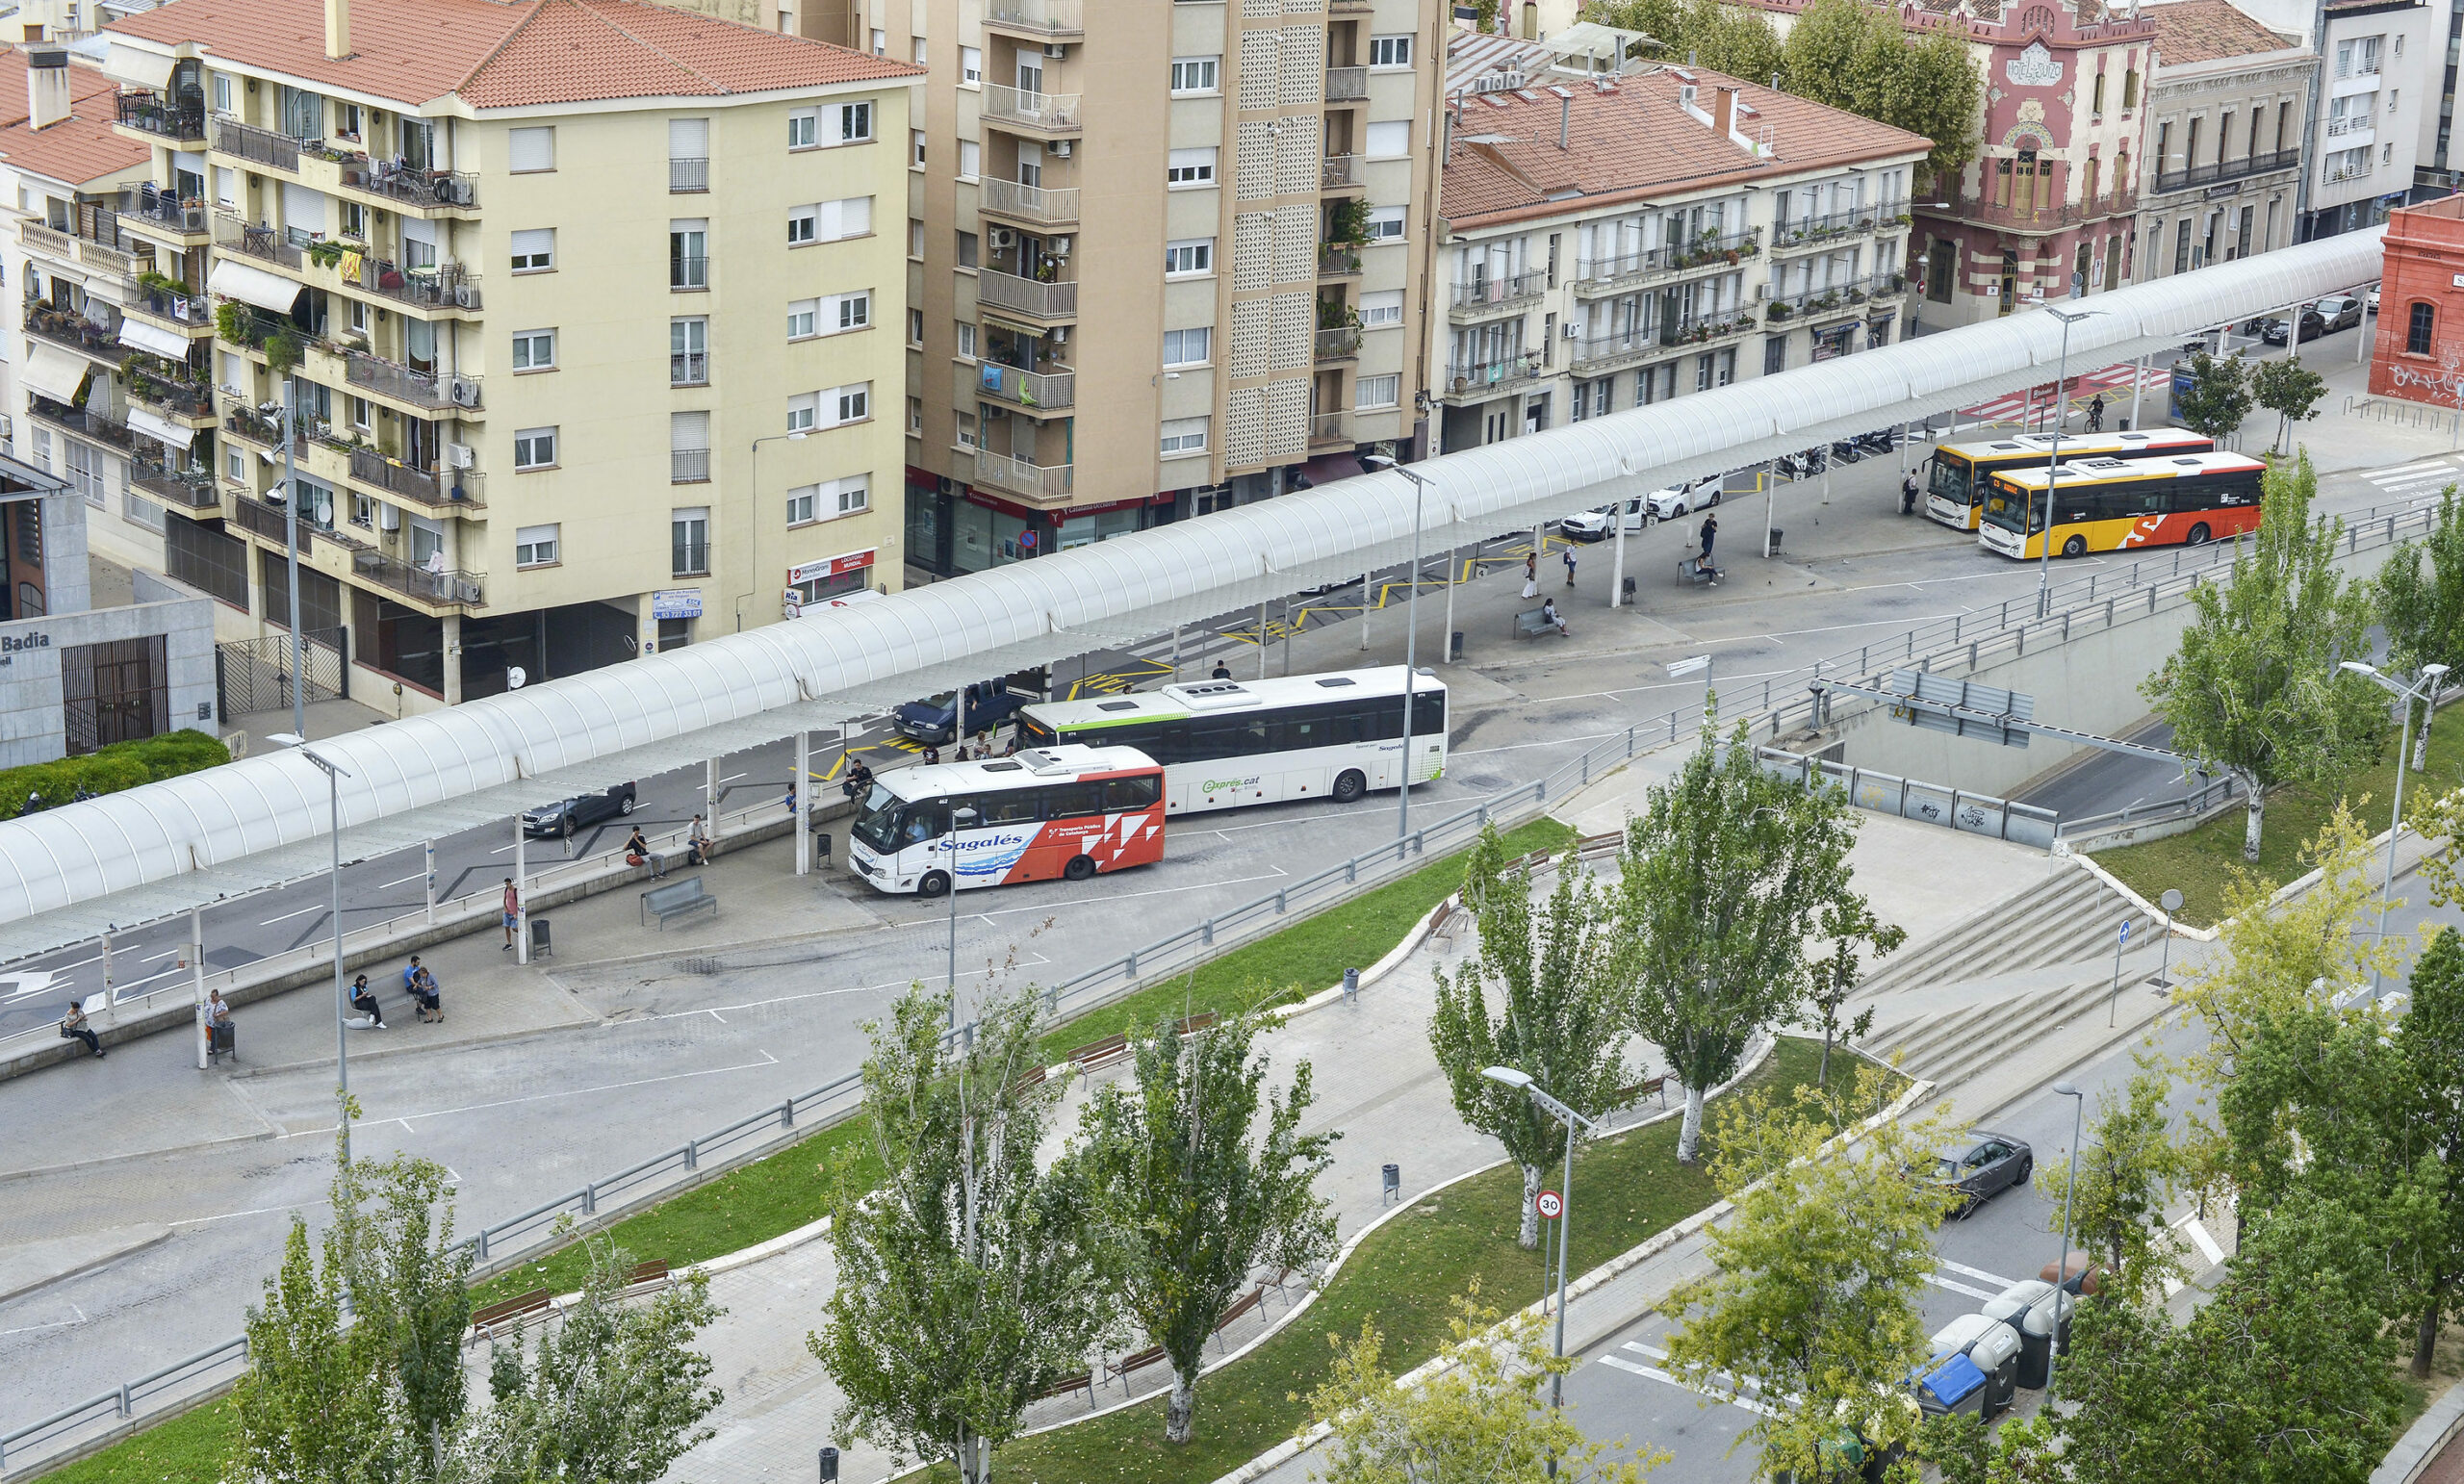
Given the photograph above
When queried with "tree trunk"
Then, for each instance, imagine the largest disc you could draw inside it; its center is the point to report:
(1527, 1236)
(972, 1468)
(1689, 1134)
(2420, 737)
(2258, 807)
(2426, 1335)
(1179, 1406)
(1822, 1073)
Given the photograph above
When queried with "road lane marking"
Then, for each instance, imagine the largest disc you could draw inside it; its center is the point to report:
(1654, 1373)
(2403, 468)
(159, 958)
(287, 916)
(404, 1119)
(1962, 1288)
(1977, 1273)
(406, 880)
(2196, 1231)
(1032, 960)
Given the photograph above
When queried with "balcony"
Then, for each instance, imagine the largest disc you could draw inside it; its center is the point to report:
(187, 313)
(449, 488)
(689, 368)
(687, 275)
(1347, 84)
(1036, 482)
(1481, 380)
(190, 402)
(444, 289)
(49, 240)
(83, 421)
(256, 425)
(1858, 222)
(1030, 203)
(414, 186)
(164, 212)
(1329, 430)
(1010, 294)
(687, 176)
(187, 489)
(265, 244)
(421, 389)
(2217, 172)
(1046, 115)
(66, 328)
(688, 466)
(270, 520)
(2345, 172)
(181, 122)
(1338, 263)
(431, 586)
(2047, 216)
(1340, 344)
(1483, 297)
(1831, 299)
(1341, 172)
(255, 327)
(258, 146)
(1041, 392)
(1037, 17)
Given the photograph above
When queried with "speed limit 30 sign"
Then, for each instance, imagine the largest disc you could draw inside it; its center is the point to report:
(1550, 1204)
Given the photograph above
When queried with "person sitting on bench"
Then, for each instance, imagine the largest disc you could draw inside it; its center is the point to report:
(1548, 614)
(364, 1000)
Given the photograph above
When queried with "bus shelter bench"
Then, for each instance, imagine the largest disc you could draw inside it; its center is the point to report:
(677, 899)
(1095, 1056)
(1688, 572)
(1532, 624)
(511, 1314)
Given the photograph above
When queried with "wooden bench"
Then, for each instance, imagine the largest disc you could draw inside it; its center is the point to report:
(1242, 1305)
(1033, 1078)
(1532, 623)
(1191, 1024)
(511, 1314)
(1095, 1056)
(1627, 1097)
(652, 1275)
(1083, 1381)
(677, 899)
(1119, 1370)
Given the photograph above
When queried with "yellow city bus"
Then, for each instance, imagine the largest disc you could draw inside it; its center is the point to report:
(1955, 492)
(2108, 504)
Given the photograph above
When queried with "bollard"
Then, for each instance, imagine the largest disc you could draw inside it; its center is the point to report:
(1206, 932)
(590, 1199)
(1629, 743)
(1278, 901)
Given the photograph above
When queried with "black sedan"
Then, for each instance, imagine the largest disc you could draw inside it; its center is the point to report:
(1980, 1167)
(568, 815)
(2277, 330)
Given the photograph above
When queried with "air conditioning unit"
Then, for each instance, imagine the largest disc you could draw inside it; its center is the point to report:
(1574, 332)
(1061, 334)
(1061, 246)
(460, 456)
(466, 392)
(1055, 48)
(389, 518)
(467, 295)
(1060, 149)
(1003, 239)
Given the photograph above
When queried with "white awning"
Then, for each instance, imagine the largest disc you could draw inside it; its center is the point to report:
(53, 373)
(235, 280)
(146, 69)
(155, 339)
(165, 428)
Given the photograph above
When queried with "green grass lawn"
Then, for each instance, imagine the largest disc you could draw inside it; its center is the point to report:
(187, 1449)
(2200, 863)
(1401, 1279)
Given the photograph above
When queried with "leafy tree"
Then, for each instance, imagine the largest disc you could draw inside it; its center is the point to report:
(1732, 38)
(2218, 397)
(2431, 1038)
(1556, 1017)
(1725, 874)
(2291, 391)
(1479, 1419)
(1199, 1203)
(310, 1408)
(2254, 688)
(971, 1279)
(2424, 612)
(2117, 1211)
(1850, 925)
(1816, 1300)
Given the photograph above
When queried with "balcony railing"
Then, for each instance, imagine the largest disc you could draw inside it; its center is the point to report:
(42, 238)
(1488, 379)
(1026, 296)
(1597, 275)
(267, 519)
(162, 209)
(1049, 17)
(431, 585)
(689, 368)
(256, 425)
(2030, 216)
(685, 177)
(83, 421)
(171, 396)
(191, 489)
(426, 486)
(1340, 344)
(1049, 113)
(1483, 295)
(1339, 263)
(2218, 172)
(410, 185)
(1834, 297)
(68, 328)
(1855, 222)
(1347, 84)
(2343, 172)
(1020, 478)
(180, 122)
(446, 287)
(1340, 172)
(1328, 427)
(257, 146)
(687, 275)
(190, 310)
(105, 256)
(400, 382)
(688, 466)
(1030, 203)
(267, 244)
(1044, 391)
(2351, 123)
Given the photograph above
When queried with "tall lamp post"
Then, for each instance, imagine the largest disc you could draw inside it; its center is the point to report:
(2053, 456)
(2424, 688)
(334, 774)
(959, 818)
(1411, 634)
(2062, 1268)
(1572, 1120)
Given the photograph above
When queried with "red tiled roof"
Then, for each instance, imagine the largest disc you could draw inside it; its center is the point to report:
(79, 148)
(1637, 140)
(2191, 30)
(511, 56)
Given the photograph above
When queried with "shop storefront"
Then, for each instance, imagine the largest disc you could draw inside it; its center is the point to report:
(972, 530)
(831, 577)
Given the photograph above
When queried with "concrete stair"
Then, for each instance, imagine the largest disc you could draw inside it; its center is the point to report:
(2070, 921)
(1952, 1047)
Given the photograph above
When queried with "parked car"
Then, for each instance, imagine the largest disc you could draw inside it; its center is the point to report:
(568, 815)
(1702, 495)
(935, 721)
(2279, 329)
(1595, 524)
(1980, 1167)
(2341, 311)
(2371, 299)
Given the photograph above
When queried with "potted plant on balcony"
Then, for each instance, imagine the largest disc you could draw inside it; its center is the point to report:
(1750, 247)
(324, 252)
(231, 322)
(1780, 309)
(1348, 222)
(282, 353)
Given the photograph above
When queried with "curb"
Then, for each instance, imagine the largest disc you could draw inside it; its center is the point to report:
(85, 1265)
(174, 1151)
(2422, 1442)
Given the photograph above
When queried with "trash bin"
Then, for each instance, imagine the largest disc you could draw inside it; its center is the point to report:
(1630, 590)
(1391, 1185)
(829, 1466)
(1955, 1385)
(1776, 535)
(821, 846)
(1454, 646)
(543, 943)
(1351, 983)
(1993, 1347)
(2041, 1314)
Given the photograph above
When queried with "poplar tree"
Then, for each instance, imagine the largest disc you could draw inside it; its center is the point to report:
(2423, 612)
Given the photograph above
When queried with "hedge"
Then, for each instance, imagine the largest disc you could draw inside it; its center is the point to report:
(110, 769)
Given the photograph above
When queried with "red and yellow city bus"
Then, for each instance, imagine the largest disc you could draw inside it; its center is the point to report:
(2113, 504)
(1954, 490)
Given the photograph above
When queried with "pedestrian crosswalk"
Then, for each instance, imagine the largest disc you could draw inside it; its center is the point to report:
(2031, 404)
(2425, 478)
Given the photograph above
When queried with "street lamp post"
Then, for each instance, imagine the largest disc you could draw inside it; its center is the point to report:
(1508, 1076)
(1411, 635)
(2053, 455)
(334, 774)
(2424, 688)
(291, 552)
(959, 818)
(2062, 1268)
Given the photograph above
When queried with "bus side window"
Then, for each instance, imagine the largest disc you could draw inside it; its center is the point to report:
(1429, 714)
(1073, 801)
(1132, 793)
(927, 819)
(1295, 733)
(1011, 807)
(1342, 726)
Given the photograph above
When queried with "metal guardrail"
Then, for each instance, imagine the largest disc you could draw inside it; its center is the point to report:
(2189, 806)
(1909, 798)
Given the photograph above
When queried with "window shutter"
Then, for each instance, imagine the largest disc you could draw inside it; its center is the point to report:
(688, 139)
(530, 149)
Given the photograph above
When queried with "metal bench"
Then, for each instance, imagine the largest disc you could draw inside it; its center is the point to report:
(1531, 625)
(1688, 572)
(1083, 1381)
(1119, 1370)
(677, 899)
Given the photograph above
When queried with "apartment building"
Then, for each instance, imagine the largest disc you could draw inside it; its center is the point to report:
(580, 304)
(2380, 64)
(1620, 240)
(1161, 252)
(2225, 123)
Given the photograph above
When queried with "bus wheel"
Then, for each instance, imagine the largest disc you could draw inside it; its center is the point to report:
(935, 884)
(1079, 868)
(1349, 785)
(2200, 535)
(2076, 546)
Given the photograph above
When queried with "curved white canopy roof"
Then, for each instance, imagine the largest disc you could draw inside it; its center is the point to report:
(71, 872)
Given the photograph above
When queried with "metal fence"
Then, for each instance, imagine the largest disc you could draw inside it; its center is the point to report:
(1908, 798)
(254, 674)
(2213, 794)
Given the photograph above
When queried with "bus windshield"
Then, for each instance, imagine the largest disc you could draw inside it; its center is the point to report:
(1952, 480)
(885, 822)
(2006, 507)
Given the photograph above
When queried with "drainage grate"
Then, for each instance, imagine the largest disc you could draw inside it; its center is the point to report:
(698, 965)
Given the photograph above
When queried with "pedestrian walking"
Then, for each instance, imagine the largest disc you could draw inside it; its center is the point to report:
(696, 843)
(512, 910)
(1710, 530)
(364, 1000)
(428, 1001)
(1570, 566)
(74, 1026)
